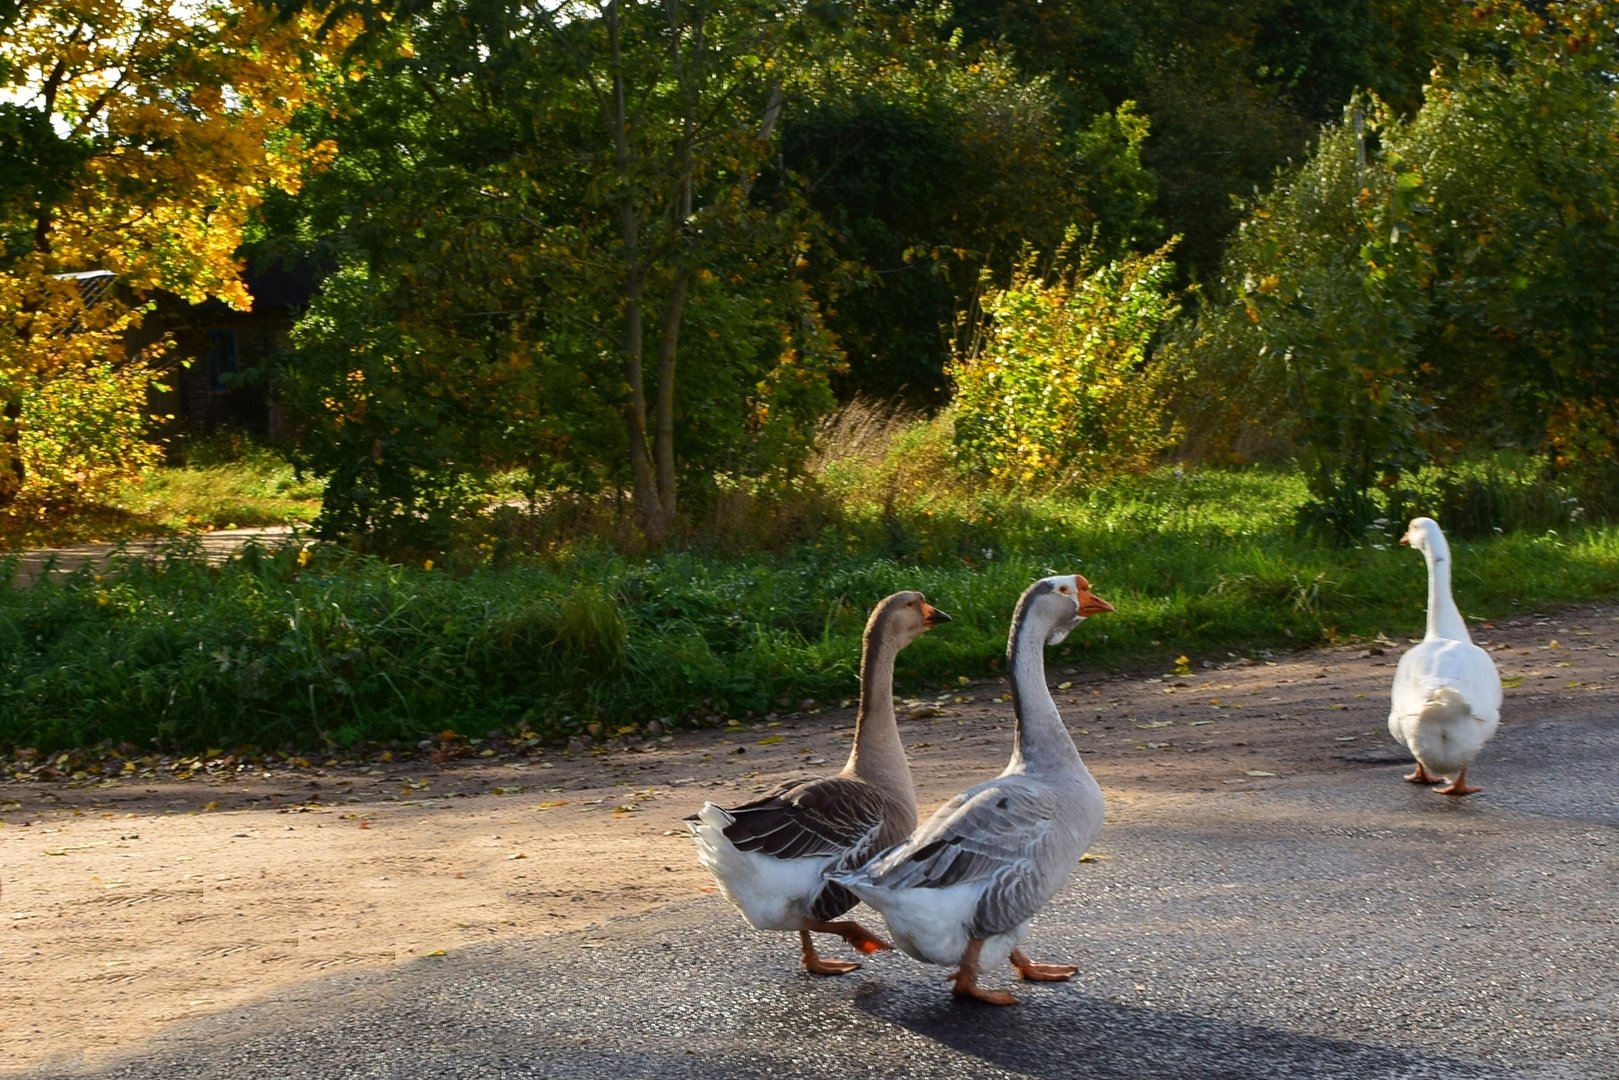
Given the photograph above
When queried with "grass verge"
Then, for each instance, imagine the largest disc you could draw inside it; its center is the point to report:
(322, 649)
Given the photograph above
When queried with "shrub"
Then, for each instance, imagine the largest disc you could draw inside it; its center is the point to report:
(85, 428)
(1058, 387)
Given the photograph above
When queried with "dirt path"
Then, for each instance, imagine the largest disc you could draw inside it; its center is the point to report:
(133, 903)
(216, 546)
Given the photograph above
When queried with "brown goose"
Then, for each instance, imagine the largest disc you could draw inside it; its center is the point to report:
(769, 855)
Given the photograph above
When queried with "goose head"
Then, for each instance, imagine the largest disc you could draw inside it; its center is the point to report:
(904, 617)
(1423, 535)
(1062, 603)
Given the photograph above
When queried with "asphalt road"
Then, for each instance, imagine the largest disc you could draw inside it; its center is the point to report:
(1338, 924)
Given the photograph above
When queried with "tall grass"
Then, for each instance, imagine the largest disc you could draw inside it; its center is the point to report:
(343, 649)
(323, 648)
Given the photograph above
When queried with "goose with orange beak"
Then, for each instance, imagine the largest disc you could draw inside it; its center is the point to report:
(1446, 699)
(963, 889)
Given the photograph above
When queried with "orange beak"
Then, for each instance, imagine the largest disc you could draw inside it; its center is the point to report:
(1091, 604)
(1406, 539)
(932, 616)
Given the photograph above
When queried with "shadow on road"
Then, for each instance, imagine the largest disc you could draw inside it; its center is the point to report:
(1053, 1033)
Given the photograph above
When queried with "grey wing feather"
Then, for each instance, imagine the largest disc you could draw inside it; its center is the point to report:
(978, 834)
(808, 818)
(995, 834)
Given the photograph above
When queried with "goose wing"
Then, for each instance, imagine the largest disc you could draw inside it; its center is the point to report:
(1436, 663)
(999, 837)
(835, 815)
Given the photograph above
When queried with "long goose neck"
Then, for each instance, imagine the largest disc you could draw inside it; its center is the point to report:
(1040, 740)
(1444, 618)
(878, 757)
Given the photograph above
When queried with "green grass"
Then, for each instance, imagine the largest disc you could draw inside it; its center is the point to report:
(336, 650)
(256, 488)
(222, 484)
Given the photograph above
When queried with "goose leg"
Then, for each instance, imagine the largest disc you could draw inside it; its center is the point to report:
(966, 978)
(815, 965)
(852, 932)
(1420, 775)
(1034, 972)
(1459, 786)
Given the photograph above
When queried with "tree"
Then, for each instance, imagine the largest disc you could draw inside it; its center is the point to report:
(144, 136)
(930, 163)
(578, 204)
(1444, 282)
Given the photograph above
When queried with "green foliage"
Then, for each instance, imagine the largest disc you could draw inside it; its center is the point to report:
(592, 289)
(1522, 161)
(1429, 284)
(85, 428)
(320, 648)
(930, 164)
(1059, 390)
(1323, 336)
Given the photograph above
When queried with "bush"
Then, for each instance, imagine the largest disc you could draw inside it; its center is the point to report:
(1058, 388)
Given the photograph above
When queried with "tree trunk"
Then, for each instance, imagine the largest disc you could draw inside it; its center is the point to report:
(12, 474)
(643, 476)
(663, 449)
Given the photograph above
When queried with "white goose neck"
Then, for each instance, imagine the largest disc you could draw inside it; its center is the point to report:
(1040, 740)
(1444, 618)
(878, 756)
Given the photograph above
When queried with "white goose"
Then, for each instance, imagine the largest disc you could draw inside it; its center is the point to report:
(963, 889)
(1446, 699)
(769, 856)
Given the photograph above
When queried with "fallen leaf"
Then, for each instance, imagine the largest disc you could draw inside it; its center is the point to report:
(552, 805)
(1091, 856)
(770, 740)
(1257, 772)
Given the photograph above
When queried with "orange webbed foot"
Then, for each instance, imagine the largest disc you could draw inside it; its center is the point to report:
(817, 965)
(1034, 972)
(1421, 775)
(1459, 786)
(966, 979)
(852, 932)
(967, 987)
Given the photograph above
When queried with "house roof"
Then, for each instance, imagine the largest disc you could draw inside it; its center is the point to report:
(93, 284)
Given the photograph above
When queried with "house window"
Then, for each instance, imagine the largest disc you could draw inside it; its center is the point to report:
(221, 358)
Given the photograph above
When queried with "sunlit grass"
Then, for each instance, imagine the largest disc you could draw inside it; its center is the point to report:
(323, 648)
(224, 485)
(337, 649)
